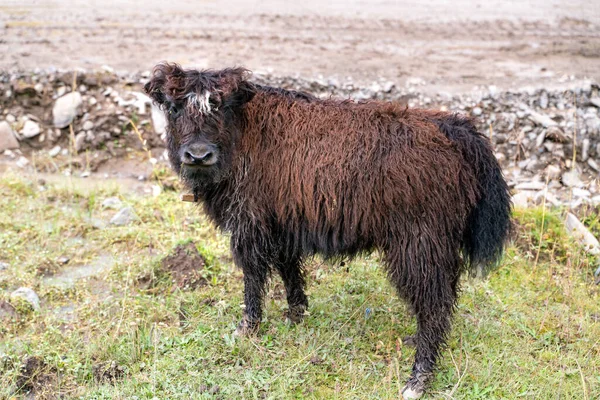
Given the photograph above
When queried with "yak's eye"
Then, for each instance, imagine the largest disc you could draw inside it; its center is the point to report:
(174, 111)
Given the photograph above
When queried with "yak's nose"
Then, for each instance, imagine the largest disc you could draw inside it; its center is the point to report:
(199, 155)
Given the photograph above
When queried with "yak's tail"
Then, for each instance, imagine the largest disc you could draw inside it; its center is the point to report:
(489, 223)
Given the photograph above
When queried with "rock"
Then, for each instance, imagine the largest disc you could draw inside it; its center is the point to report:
(28, 295)
(54, 151)
(159, 121)
(531, 186)
(578, 230)
(571, 179)
(595, 101)
(552, 171)
(112, 202)
(542, 120)
(585, 149)
(581, 193)
(22, 162)
(593, 164)
(8, 140)
(521, 199)
(66, 109)
(125, 216)
(596, 201)
(544, 100)
(80, 141)
(539, 140)
(30, 129)
(3, 266)
(87, 125)
(476, 111)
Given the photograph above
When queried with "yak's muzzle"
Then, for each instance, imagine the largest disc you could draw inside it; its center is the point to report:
(199, 155)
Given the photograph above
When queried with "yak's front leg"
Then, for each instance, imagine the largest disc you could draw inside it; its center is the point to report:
(254, 263)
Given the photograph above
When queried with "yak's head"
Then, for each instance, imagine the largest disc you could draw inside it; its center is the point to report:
(202, 110)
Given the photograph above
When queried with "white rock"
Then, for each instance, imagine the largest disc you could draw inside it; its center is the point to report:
(521, 199)
(577, 230)
(540, 119)
(585, 149)
(28, 295)
(552, 171)
(54, 151)
(476, 111)
(66, 109)
(22, 162)
(571, 179)
(159, 121)
(125, 216)
(581, 193)
(30, 129)
(112, 202)
(87, 125)
(593, 164)
(7, 137)
(530, 186)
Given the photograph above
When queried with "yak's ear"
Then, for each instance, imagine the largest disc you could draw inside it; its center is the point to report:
(164, 74)
(234, 87)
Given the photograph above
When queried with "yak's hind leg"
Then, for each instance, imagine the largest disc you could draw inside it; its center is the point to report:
(289, 267)
(427, 277)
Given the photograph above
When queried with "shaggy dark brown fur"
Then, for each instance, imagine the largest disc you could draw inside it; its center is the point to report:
(290, 175)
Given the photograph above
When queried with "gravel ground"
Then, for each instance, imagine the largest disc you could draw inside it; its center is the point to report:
(453, 46)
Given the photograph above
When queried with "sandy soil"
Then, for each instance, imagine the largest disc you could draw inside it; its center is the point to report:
(451, 45)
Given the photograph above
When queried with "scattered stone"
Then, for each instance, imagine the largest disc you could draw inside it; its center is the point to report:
(477, 111)
(30, 129)
(112, 202)
(66, 109)
(87, 125)
(125, 216)
(3, 265)
(8, 139)
(578, 230)
(22, 162)
(28, 295)
(54, 151)
(530, 186)
(571, 179)
(521, 199)
(542, 120)
(581, 193)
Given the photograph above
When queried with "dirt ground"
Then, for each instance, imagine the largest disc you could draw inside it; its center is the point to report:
(452, 45)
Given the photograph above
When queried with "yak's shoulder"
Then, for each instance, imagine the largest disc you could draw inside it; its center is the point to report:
(289, 94)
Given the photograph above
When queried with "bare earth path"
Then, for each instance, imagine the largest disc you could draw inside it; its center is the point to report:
(451, 45)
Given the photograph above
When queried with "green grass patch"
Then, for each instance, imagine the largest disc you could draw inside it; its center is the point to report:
(531, 330)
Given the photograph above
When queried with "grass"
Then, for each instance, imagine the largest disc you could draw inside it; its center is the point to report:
(531, 330)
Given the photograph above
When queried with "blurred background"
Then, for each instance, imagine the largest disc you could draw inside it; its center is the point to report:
(110, 287)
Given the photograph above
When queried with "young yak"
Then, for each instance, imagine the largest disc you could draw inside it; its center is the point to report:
(289, 175)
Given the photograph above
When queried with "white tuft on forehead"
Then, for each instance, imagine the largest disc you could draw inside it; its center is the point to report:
(199, 103)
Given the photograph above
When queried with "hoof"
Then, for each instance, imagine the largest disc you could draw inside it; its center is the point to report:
(246, 327)
(409, 393)
(295, 315)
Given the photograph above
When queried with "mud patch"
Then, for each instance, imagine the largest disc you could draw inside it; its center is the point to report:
(185, 265)
(7, 311)
(108, 372)
(38, 380)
